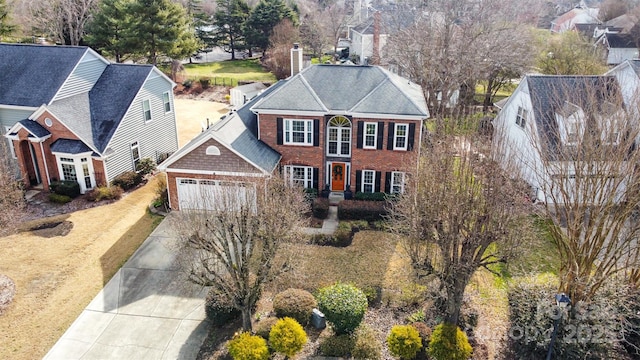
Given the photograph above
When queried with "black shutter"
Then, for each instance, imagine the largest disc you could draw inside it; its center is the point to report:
(378, 178)
(316, 132)
(358, 181)
(387, 182)
(412, 135)
(360, 134)
(380, 134)
(392, 129)
(279, 130)
(315, 179)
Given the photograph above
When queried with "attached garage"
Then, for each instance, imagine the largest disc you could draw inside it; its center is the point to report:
(205, 194)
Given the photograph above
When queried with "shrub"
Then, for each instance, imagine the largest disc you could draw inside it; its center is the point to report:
(310, 193)
(362, 210)
(248, 347)
(373, 294)
(287, 336)
(205, 82)
(343, 306)
(219, 310)
(340, 238)
(187, 83)
(423, 330)
(404, 341)
(65, 187)
(127, 180)
(263, 327)
(59, 199)
(366, 344)
(413, 295)
(145, 166)
(105, 193)
(448, 342)
(416, 316)
(374, 196)
(295, 303)
(337, 346)
(320, 208)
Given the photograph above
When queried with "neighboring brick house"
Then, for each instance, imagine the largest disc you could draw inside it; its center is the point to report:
(70, 114)
(335, 126)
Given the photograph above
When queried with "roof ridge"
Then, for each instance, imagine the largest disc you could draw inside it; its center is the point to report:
(313, 93)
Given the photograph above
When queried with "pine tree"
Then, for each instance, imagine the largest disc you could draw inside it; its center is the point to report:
(263, 18)
(109, 32)
(229, 21)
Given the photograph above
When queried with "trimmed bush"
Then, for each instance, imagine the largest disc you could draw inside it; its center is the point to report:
(263, 327)
(448, 342)
(320, 208)
(127, 180)
(287, 337)
(248, 347)
(105, 193)
(59, 199)
(366, 344)
(337, 346)
(65, 187)
(343, 306)
(374, 196)
(404, 341)
(205, 82)
(362, 210)
(219, 310)
(295, 303)
(145, 166)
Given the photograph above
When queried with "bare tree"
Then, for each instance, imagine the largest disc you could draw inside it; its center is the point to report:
(278, 59)
(580, 156)
(231, 247)
(65, 20)
(459, 214)
(12, 204)
(334, 17)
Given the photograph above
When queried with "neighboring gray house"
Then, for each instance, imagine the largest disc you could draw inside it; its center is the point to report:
(618, 47)
(70, 114)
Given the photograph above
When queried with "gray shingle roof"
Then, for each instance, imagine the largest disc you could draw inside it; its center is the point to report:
(249, 118)
(624, 41)
(68, 146)
(32, 74)
(549, 94)
(111, 97)
(34, 128)
(344, 88)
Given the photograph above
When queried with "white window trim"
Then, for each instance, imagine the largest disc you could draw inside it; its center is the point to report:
(393, 184)
(372, 183)
(164, 103)
(12, 149)
(135, 145)
(396, 136)
(77, 163)
(522, 117)
(308, 175)
(339, 142)
(144, 112)
(287, 135)
(365, 135)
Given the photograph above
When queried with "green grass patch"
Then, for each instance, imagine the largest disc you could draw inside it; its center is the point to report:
(239, 70)
(322, 59)
(540, 256)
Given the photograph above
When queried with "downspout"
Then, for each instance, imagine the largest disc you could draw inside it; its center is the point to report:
(46, 167)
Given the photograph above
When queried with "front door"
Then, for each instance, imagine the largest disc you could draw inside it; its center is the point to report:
(338, 175)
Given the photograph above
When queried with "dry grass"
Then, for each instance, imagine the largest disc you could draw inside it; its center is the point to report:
(57, 277)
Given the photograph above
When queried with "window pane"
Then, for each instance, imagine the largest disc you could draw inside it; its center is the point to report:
(69, 172)
(333, 147)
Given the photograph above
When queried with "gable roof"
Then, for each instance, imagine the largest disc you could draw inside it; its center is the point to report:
(550, 94)
(26, 72)
(111, 97)
(347, 88)
(617, 41)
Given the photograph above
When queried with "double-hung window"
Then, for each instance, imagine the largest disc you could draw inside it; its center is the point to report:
(368, 181)
(146, 108)
(397, 182)
(166, 99)
(135, 154)
(400, 137)
(299, 175)
(521, 117)
(370, 135)
(298, 132)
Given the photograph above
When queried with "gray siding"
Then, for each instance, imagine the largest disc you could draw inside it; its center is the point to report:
(154, 137)
(83, 77)
(8, 117)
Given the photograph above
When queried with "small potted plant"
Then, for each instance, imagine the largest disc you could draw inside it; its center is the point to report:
(325, 192)
(348, 195)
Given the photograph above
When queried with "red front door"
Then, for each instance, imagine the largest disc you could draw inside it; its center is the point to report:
(338, 175)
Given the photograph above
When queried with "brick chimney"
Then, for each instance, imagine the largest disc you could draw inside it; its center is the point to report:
(296, 59)
(375, 57)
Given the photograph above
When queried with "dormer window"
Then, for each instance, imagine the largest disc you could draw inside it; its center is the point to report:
(570, 119)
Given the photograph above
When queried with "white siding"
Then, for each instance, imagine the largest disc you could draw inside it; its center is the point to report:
(617, 56)
(154, 137)
(83, 77)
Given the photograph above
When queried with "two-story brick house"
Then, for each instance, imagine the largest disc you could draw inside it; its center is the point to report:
(341, 127)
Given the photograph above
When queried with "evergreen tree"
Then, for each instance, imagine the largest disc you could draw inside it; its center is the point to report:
(109, 32)
(6, 27)
(229, 22)
(263, 18)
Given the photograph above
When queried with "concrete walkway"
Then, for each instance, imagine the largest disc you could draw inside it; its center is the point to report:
(329, 225)
(146, 311)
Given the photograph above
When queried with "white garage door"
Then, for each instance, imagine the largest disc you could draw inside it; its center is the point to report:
(196, 194)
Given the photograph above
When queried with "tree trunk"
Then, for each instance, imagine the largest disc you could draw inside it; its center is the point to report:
(246, 318)
(455, 294)
(487, 94)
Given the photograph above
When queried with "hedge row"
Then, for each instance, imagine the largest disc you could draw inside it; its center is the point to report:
(362, 210)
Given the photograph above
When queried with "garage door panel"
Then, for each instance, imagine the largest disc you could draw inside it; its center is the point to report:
(195, 194)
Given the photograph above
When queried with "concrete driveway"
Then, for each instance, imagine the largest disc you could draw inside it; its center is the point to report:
(146, 311)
